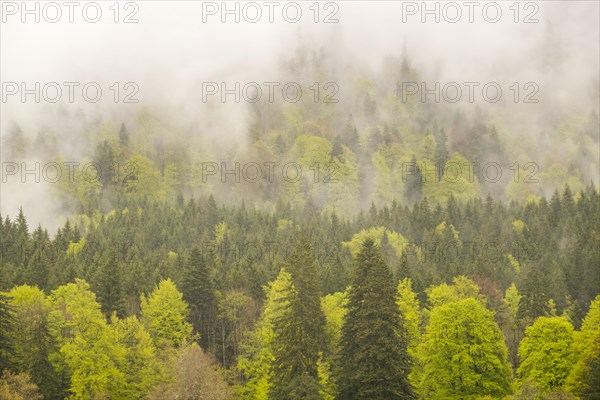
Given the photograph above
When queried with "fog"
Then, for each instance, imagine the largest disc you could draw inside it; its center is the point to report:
(170, 52)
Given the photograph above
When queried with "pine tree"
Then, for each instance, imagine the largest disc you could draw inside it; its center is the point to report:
(123, 136)
(198, 291)
(534, 302)
(109, 287)
(298, 334)
(105, 160)
(414, 184)
(441, 152)
(373, 361)
(6, 325)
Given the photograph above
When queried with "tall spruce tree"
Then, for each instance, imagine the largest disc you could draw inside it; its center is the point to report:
(298, 334)
(109, 287)
(6, 326)
(414, 184)
(373, 362)
(198, 291)
(534, 303)
(441, 152)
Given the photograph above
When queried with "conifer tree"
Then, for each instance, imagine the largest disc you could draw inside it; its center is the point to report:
(373, 362)
(6, 325)
(109, 287)
(298, 335)
(534, 302)
(198, 291)
(414, 184)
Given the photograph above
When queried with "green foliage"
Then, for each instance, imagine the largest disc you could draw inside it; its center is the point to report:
(32, 343)
(198, 292)
(546, 352)
(6, 329)
(140, 364)
(255, 363)
(373, 360)
(334, 309)
(87, 349)
(463, 288)
(18, 387)
(583, 379)
(457, 180)
(298, 334)
(534, 302)
(411, 311)
(512, 299)
(463, 353)
(376, 234)
(109, 286)
(164, 314)
(65, 336)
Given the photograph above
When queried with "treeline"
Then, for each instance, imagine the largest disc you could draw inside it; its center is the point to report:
(465, 300)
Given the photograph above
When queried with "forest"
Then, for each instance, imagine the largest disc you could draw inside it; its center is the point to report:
(373, 246)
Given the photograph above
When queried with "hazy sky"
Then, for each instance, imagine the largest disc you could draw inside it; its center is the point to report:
(170, 47)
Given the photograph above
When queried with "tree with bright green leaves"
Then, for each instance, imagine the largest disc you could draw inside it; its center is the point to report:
(462, 288)
(165, 314)
(298, 334)
(457, 180)
(32, 342)
(409, 307)
(546, 353)
(140, 364)
(373, 362)
(513, 331)
(463, 354)
(334, 309)
(88, 352)
(255, 363)
(584, 378)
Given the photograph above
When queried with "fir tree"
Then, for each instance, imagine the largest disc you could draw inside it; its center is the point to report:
(198, 291)
(414, 184)
(373, 361)
(441, 152)
(299, 333)
(109, 287)
(534, 302)
(6, 325)
(123, 136)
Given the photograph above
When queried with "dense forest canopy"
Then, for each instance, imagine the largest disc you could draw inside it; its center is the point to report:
(363, 241)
